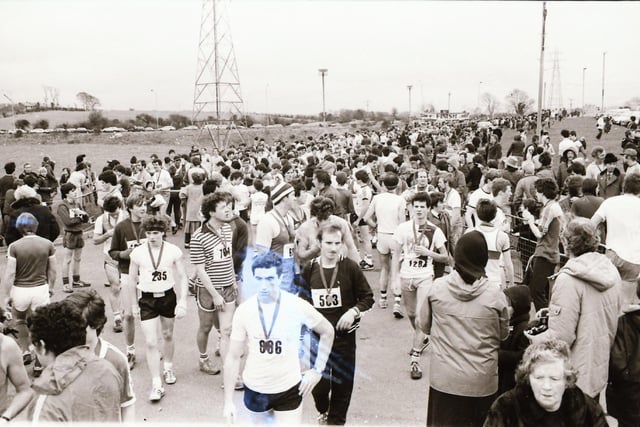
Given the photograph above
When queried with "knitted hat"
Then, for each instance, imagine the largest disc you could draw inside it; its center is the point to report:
(471, 256)
(280, 191)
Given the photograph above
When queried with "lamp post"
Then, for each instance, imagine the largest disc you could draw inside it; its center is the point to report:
(156, 97)
(604, 54)
(478, 100)
(583, 71)
(449, 102)
(323, 72)
(409, 88)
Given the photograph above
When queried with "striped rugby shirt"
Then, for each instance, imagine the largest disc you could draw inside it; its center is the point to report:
(207, 248)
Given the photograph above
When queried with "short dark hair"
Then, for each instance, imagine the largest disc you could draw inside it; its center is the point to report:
(362, 175)
(265, 260)
(210, 202)
(486, 210)
(258, 184)
(565, 133)
(545, 159)
(235, 175)
(422, 196)
(10, 167)
(631, 183)
(60, 325)
(111, 203)
(390, 180)
(92, 306)
(548, 187)
(321, 208)
(577, 168)
(589, 186)
(209, 186)
(66, 188)
(109, 177)
(154, 223)
(322, 176)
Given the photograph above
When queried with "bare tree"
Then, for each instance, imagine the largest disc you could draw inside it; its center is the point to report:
(519, 101)
(89, 101)
(490, 103)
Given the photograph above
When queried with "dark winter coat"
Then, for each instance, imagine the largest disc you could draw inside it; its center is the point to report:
(47, 223)
(519, 408)
(512, 349)
(623, 391)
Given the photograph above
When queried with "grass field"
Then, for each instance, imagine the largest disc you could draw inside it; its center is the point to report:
(102, 147)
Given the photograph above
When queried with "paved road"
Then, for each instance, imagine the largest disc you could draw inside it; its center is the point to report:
(383, 395)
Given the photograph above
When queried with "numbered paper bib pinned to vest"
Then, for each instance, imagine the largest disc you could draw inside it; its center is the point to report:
(323, 298)
(287, 251)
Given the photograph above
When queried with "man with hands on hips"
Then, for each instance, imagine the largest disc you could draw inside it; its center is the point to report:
(270, 323)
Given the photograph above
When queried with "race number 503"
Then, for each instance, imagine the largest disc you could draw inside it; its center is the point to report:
(326, 299)
(270, 346)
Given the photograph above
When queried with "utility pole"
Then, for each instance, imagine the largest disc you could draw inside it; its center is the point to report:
(449, 102)
(602, 101)
(541, 72)
(156, 97)
(409, 87)
(323, 72)
(583, 71)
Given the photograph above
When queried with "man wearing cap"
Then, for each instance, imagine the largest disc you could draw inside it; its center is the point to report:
(631, 160)
(623, 234)
(275, 231)
(611, 178)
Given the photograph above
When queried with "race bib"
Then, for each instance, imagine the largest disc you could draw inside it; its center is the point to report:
(323, 299)
(270, 346)
(158, 278)
(220, 254)
(131, 244)
(417, 262)
(287, 251)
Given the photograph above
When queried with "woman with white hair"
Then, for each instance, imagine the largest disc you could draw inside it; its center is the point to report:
(546, 393)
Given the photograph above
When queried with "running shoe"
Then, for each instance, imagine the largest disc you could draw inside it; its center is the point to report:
(323, 418)
(207, 367)
(383, 303)
(131, 360)
(366, 266)
(416, 372)
(156, 394)
(239, 385)
(425, 344)
(66, 288)
(81, 284)
(397, 311)
(107, 285)
(169, 376)
(117, 325)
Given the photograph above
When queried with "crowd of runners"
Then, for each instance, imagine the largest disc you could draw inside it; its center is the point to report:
(276, 239)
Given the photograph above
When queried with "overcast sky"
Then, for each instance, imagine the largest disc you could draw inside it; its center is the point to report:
(118, 50)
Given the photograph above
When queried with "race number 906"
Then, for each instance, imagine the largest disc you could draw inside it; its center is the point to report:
(270, 346)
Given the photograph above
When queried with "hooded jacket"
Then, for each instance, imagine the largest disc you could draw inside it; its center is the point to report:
(47, 223)
(583, 312)
(466, 323)
(77, 386)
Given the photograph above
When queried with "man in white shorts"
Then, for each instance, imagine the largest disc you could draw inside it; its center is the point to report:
(388, 209)
(417, 244)
(269, 323)
(103, 230)
(29, 277)
(157, 268)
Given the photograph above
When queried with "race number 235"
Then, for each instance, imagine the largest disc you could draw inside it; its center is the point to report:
(270, 346)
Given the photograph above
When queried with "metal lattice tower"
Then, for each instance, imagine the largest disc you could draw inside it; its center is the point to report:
(555, 90)
(217, 88)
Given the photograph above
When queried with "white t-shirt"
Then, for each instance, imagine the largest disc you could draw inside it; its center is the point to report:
(474, 198)
(389, 211)
(594, 170)
(362, 197)
(273, 367)
(623, 227)
(412, 265)
(151, 279)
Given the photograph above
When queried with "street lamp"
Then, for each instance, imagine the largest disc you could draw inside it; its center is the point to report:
(323, 72)
(409, 88)
(156, 97)
(478, 100)
(449, 103)
(583, 70)
(602, 102)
